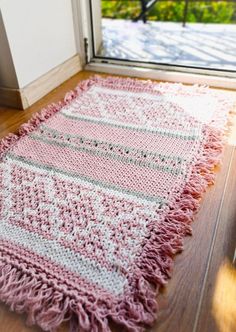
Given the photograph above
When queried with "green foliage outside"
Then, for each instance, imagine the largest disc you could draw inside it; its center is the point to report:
(198, 11)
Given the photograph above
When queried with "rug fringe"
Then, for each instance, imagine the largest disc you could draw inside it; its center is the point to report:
(48, 307)
(166, 238)
(7, 142)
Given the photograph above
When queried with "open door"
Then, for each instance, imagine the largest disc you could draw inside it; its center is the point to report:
(184, 34)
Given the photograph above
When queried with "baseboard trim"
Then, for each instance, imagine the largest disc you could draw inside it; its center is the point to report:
(11, 97)
(27, 96)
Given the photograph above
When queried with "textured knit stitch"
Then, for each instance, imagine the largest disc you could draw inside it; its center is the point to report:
(97, 193)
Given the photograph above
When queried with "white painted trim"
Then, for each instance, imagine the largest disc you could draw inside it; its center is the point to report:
(78, 28)
(82, 26)
(28, 95)
(52, 79)
(97, 23)
(164, 75)
(166, 67)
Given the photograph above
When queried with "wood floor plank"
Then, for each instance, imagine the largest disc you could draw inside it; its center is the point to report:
(11, 119)
(180, 299)
(12, 322)
(219, 297)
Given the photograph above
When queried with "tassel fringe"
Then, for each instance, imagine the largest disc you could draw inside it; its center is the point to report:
(48, 307)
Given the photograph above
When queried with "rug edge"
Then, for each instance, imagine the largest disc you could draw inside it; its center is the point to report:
(8, 141)
(148, 265)
(154, 267)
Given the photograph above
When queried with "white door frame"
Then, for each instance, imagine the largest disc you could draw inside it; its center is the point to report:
(82, 11)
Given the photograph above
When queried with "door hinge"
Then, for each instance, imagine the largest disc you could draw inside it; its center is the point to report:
(86, 50)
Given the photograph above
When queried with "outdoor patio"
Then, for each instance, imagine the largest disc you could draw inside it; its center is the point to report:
(198, 45)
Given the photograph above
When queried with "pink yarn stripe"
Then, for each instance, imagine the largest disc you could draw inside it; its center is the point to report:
(48, 304)
(51, 268)
(98, 168)
(135, 139)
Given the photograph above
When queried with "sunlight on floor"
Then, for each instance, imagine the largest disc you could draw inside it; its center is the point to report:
(231, 125)
(232, 133)
(224, 300)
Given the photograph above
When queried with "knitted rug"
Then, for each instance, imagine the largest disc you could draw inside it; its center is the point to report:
(97, 194)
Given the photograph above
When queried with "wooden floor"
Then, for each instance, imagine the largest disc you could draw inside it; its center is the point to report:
(201, 295)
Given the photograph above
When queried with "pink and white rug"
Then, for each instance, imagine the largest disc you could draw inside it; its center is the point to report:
(97, 193)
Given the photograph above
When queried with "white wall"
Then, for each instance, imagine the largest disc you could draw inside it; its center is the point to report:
(40, 35)
(7, 70)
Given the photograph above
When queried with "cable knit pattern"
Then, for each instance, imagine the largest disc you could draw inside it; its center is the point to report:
(97, 193)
